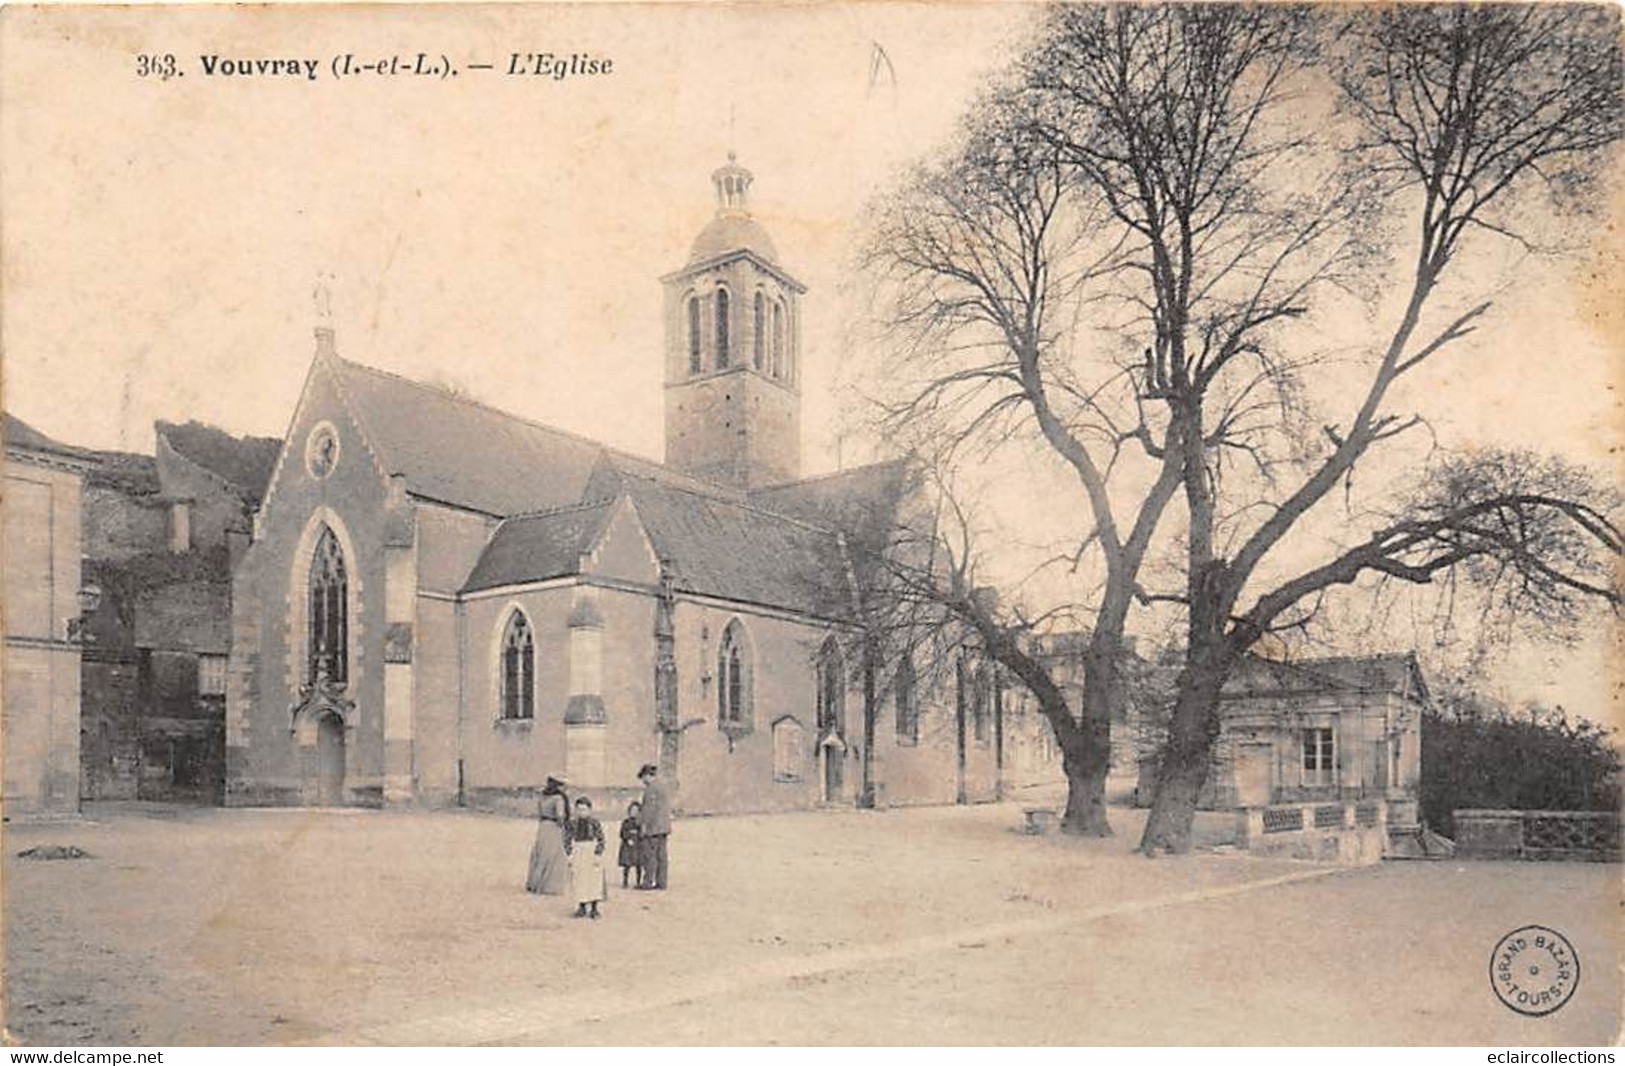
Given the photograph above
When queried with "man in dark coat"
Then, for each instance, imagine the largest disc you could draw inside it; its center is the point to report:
(656, 825)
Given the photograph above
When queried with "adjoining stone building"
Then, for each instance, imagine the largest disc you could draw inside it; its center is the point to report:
(444, 603)
(44, 603)
(160, 534)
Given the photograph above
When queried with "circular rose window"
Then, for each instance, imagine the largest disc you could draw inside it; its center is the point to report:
(322, 450)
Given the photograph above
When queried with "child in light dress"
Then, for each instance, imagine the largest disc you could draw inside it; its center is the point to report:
(584, 844)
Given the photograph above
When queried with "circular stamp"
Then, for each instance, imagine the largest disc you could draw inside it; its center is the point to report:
(1534, 970)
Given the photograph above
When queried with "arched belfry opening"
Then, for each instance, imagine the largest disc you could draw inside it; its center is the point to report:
(733, 405)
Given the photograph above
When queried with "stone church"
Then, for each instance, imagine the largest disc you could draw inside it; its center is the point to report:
(444, 603)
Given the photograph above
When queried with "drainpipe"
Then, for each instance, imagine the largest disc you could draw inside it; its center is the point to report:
(460, 614)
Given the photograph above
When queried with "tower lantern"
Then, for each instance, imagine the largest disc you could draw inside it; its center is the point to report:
(733, 333)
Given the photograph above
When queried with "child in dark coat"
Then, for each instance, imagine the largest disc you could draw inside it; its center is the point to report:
(631, 845)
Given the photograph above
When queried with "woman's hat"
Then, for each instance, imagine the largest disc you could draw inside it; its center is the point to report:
(649, 769)
(554, 782)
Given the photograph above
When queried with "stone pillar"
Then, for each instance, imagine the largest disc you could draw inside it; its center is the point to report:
(400, 618)
(585, 719)
(242, 677)
(666, 717)
(1249, 826)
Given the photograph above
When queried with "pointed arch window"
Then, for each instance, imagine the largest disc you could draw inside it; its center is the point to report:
(518, 669)
(695, 363)
(328, 654)
(723, 353)
(831, 690)
(734, 679)
(758, 337)
(781, 368)
(981, 702)
(908, 712)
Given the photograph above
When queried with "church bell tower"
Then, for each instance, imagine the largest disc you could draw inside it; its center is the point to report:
(733, 350)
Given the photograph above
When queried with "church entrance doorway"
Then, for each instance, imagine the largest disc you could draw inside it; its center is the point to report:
(329, 761)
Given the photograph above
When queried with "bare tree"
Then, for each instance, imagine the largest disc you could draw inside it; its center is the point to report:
(930, 620)
(1458, 109)
(1101, 248)
(984, 259)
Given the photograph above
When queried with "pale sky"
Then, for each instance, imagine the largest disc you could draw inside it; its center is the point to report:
(161, 240)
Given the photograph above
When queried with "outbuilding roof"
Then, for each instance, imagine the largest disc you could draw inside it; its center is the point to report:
(1399, 674)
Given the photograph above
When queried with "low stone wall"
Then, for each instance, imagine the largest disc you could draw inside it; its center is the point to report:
(1348, 831)
(1572, 836)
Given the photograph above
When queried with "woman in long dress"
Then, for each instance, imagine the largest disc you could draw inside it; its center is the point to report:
(549, 869)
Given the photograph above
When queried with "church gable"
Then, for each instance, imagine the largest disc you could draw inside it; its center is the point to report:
(623, 549)
(539, 547)
(326, 450)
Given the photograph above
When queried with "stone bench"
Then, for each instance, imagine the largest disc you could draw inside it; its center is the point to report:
(1040, 820)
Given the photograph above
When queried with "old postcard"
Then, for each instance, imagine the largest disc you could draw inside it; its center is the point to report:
(846, 523)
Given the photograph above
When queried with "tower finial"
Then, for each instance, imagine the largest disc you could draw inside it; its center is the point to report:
(322, 296)
(732, 182)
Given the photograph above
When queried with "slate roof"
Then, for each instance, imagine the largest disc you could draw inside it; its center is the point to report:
(862, 503)
(715, 545)
(556, 491)
(537, 547)
(463, 452)
(1399, 674)
(243, 462)
(719, 547)
(615, 467)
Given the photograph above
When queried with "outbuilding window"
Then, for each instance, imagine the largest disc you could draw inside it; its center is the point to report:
(1319, 755)
(211, 675)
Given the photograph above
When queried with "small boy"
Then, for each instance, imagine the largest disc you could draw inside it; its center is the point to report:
(631, 851)
(587, 881)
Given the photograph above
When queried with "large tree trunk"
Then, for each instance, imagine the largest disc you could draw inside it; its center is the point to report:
(1084, 739)
(1090, 760)
(1183, 769)
(1085, 798)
